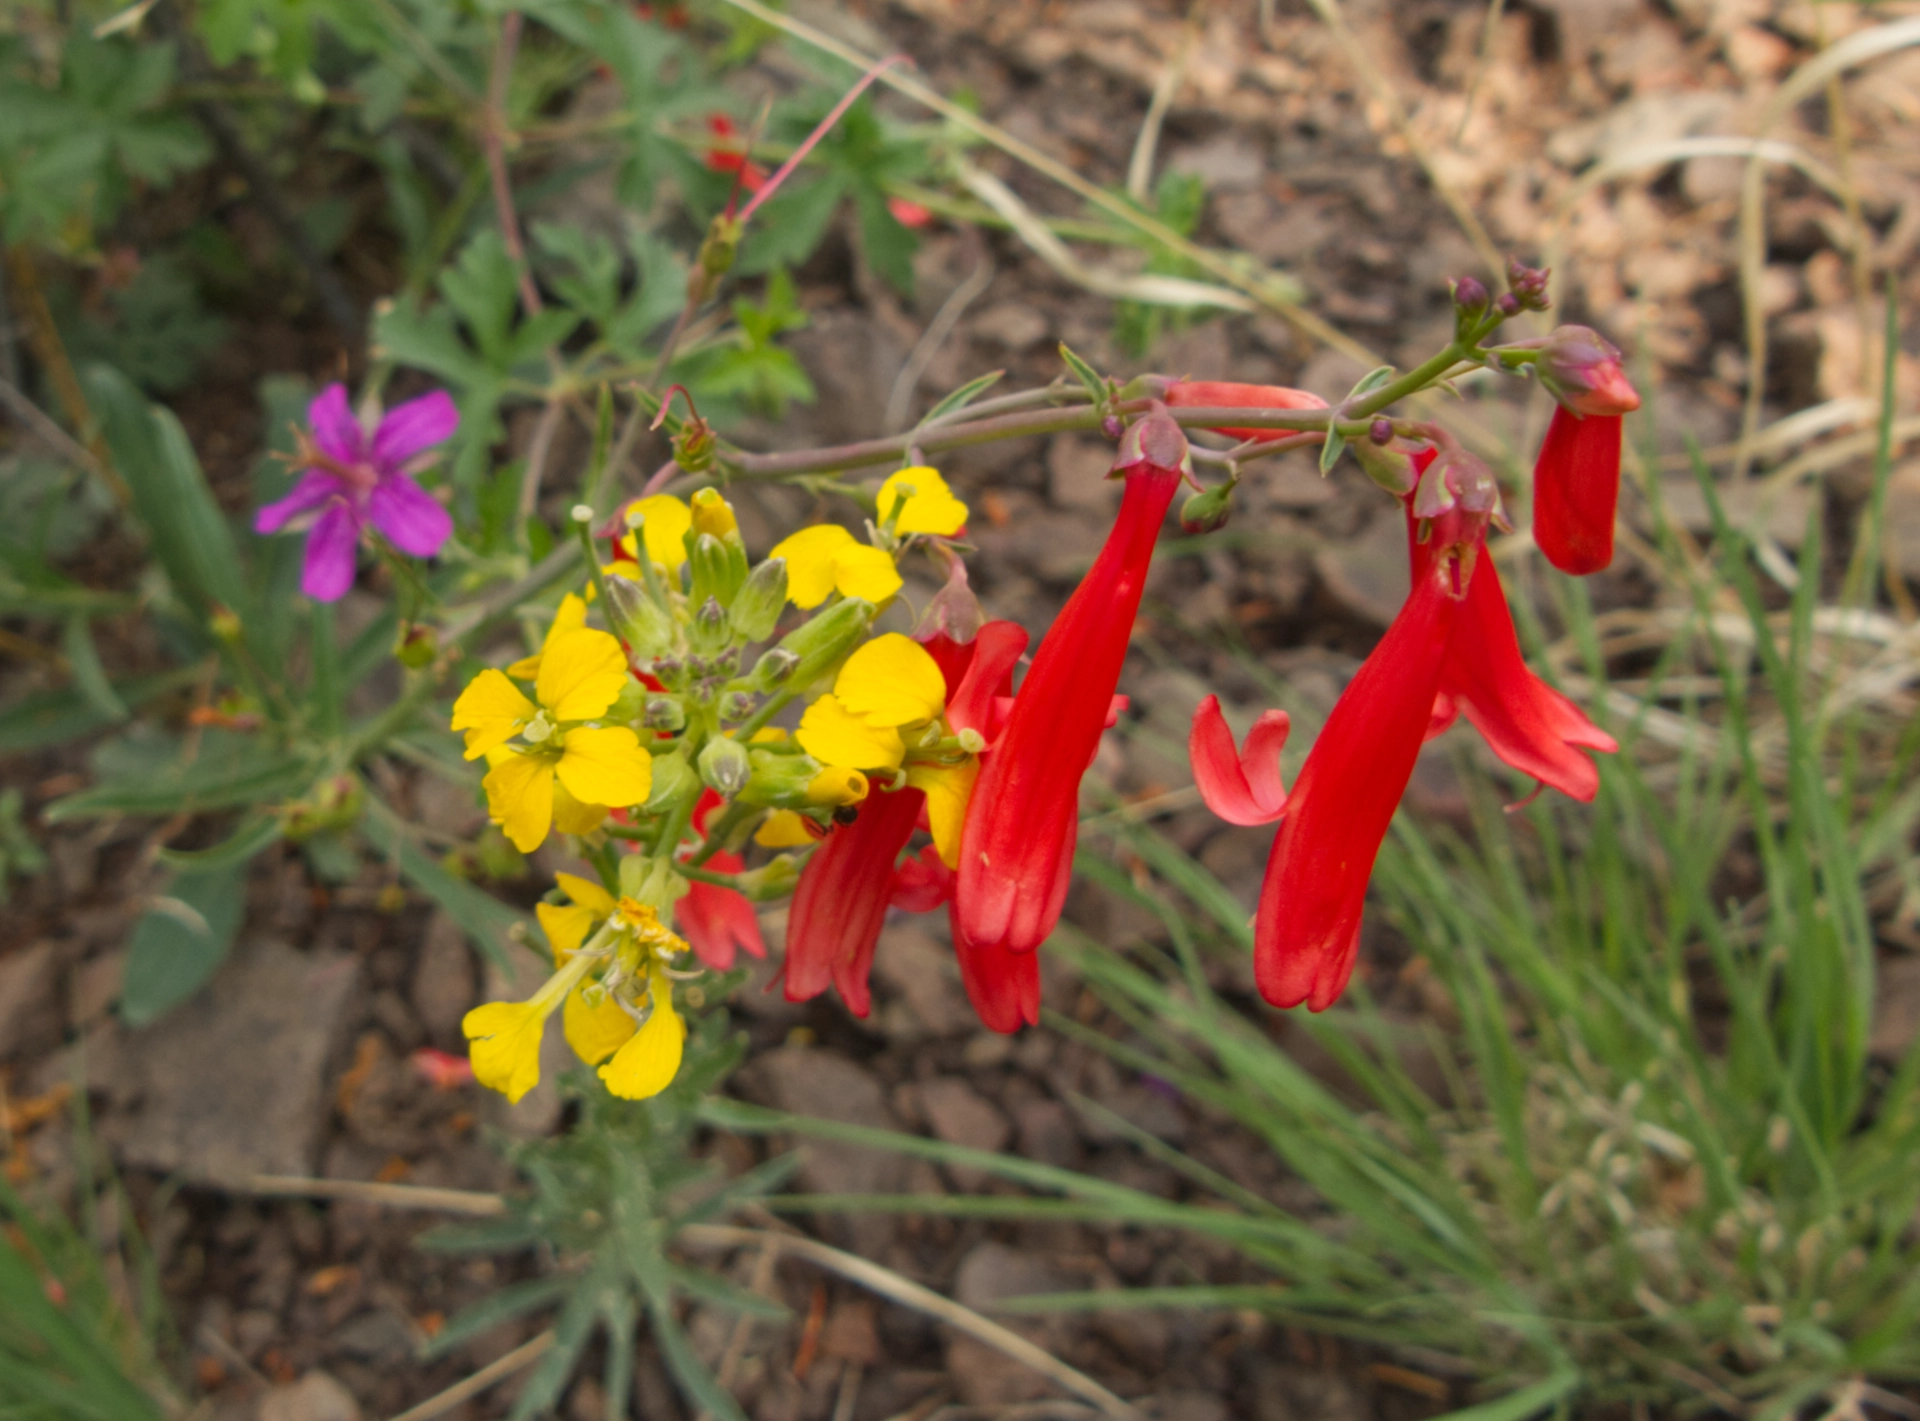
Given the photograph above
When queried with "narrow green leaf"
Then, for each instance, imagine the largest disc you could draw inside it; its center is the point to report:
(181, 940)
(484, 918)
(1084, 373)
(255, 833)
(210, 782)
(89, 676)
(964, 396)
(51, 717)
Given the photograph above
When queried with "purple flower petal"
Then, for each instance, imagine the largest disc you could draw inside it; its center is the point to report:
(330, 546)
(412, 519)
(314, 489)
(335, 429)
(409, 428)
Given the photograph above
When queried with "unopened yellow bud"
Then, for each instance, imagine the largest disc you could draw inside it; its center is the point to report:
(713, 514)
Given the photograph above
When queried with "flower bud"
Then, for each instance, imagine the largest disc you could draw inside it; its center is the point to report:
(709, 631)
(772, 881)
(674, 782)
(1389, 465)
(725, 766)
(822, 640)
(334, 803)
(637, 619)
(761, 599)
(1207, 511)
(774, 666)
(1528, 284)
(953, 611)
(1582, 370)
(1470, 296)
(718, 570)
(1381, 431)
(712, 513)
(836, 786)
(416, 647)
(1508, 304)
(1111, 426)
(786, 779)
(630, 705)
(665, 713)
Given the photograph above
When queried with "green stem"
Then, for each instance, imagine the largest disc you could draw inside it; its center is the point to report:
(717, 834)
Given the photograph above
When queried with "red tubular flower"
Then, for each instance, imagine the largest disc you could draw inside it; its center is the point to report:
(1576, 479)
(1524, 721)
(1017, 851)
(840, 903)
(1576, 488)
(1231, 394)
(718, 921)
(1307, 930)
(729, 153)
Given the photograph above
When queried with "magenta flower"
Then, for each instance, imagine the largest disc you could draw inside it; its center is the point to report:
(349, 480)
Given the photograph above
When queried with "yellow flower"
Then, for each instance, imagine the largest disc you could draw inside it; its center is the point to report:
(712, 514)
(948, 788)
(784, 829)
(825, 559)
(505, 1036)
(571, 617)
(835, 736)
(650, 1059)
(581, 674)
(665, 529)
(927, 505)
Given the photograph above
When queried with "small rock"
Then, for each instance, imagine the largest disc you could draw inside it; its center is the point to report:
(1077, 468)
(1047, 1134)
(231, 1084)
(960, 1115)
(911, 961)
(812, 1081)
(1228, 161)
(1190, 1406)
(444, 985)
(993, 1272)
(1368, 576)
(1896, 1008)
(1014, 325)
(315, 1397)
(987, 1377)
(93, 988)
(456, 810)
(376, 1336)
(852, 1334)
(27, 1019)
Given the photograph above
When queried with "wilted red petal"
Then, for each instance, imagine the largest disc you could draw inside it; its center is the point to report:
(1576, 488)
(1231, 394)
(718, 921)
(1242, 787)
(923, 882)
(841, 901)
(1026, 803)
(442, 1069)
(1308, 927)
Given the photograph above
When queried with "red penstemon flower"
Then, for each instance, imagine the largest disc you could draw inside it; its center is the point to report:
(1576, 479)
(1017, 852)
(1451, 649)
(729, 153)
(718, 922)
(1232, 394)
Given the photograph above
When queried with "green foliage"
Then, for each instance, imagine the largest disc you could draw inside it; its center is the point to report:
(748, 365)
(1178, 201)
(182, 938)
(20, 857)
(79, 129)
(605, 1201)
(156, 329)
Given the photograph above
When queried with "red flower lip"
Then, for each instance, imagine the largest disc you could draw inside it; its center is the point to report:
(1576, 491)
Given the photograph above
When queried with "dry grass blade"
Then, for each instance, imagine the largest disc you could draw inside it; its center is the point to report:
(392, 1196)
(900, 397)
(1140, 166)
(498, 1370)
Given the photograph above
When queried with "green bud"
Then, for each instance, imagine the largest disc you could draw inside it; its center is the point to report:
(1208, 510)
(772, 881)
(416, 646)
(725, 766)
(780, 779)
(761, 599)
(652, 881)
(774, 667)
(718, 570)
(629, 705)
(333, 803)
(663, 713)
(638, 620)
(673, 782)
(1387, 465)
(822, 640)
(710, 630)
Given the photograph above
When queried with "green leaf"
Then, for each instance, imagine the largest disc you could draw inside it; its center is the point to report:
(1084, 373)
(89, 676)
(181, 940)
(190, 534)
(964, 396)
(253, 835)
(252, 775)
(51, 717)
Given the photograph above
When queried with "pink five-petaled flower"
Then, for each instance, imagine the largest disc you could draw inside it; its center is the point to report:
(1016, 855)
(1576, 479)
(349, 480)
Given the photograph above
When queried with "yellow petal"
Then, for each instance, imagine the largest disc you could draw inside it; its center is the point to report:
(837, 785)
(665, 529)
(606, 766)
(783, 830)
(861, 571)
(491, 710)
(520, 799)
(948, 789)
(891, 680)
(647, 1064)
(580, 674)
(812, 555)
(829, 734)
(570, 618)
(566, 926)
(768, 735)
(506, 1045)
(713, 514)
(595, 1033)
(586, 893)
(930, 508)
(574, 816)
